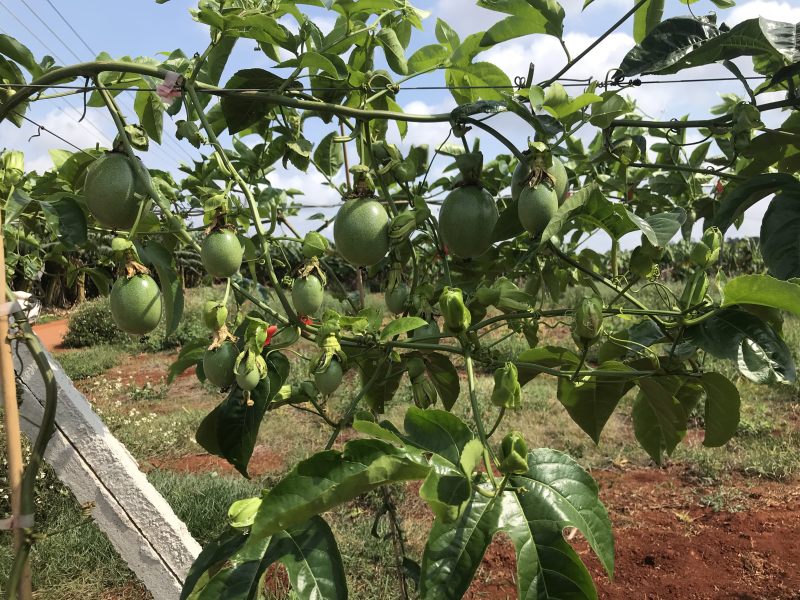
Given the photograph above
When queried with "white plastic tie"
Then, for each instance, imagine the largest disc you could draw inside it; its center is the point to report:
(169, 88)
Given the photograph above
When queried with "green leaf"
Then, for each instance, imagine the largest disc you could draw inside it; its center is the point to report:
(15, 206)
(666, 225)
(738, 197)
(764, 291)
(659, 417)
(454, 549)
(231, 429)
(65, 219)
(191, 354)
(241, 112)
(683, 42)
(19, 53)
(438, 432)
(646, 18)
(312, 560)
(214, 553)
(401, 325)
(722, 409)
(555, 493)
(170, 282)
(567, 107)
(568, 209)
(526, 17)
(446, 35)
(150, 109)
(387, 380)
(444, 377)
(427, 58)
(591, 402)
(723, 334)
(393, 49)
(329, 155)
(612, 106)
(545, 356)
(488, 79)
(780, 235)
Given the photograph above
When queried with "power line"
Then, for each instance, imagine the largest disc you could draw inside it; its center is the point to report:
(51, 132)
(50, 29)
(68, 24)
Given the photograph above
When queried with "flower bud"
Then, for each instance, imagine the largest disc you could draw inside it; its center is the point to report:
(402, 226)
(457, 317)
(314, 244)
(588, 319)
(507, 392)
(513, 454)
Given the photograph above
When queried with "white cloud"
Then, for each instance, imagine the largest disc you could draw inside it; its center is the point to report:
(776, 11)
(432, 134)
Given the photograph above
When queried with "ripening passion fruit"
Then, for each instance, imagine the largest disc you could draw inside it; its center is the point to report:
(361, 231)
(329, 380)
(219, 364)
(523, 171)
(466, 221)
(113, 191)
(307, 295)
(221, 253)
(536, 208)
(136, 304)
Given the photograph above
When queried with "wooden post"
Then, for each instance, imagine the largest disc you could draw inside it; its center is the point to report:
(11, 414)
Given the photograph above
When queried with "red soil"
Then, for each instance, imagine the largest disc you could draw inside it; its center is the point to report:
(51, 334)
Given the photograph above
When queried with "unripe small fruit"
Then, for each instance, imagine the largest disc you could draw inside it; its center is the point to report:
(308, 295)
(219, 364)
(396, 298)
(536, 208)
(329, 380)
(136, 304)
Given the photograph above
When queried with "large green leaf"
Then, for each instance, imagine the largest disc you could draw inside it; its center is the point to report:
(444, 377)
(329, 155)
(231, 429)
(19, 53)
(427, 58)
(437, 431)
(150, 109)
(764, 291)
(722, 409)
(555, 493)
(393, 49)
(65, 219)
(660, 413)
(401, 325)
(240, 111)
(454, 549)
(387, 378)
(780, 235)
(592, 401)
(483, 77)
(170, 282)
(723, 334)
(738, 197)
(215, 553)
(526, 17)
(646, 18)
(545, 356)
(683, 42)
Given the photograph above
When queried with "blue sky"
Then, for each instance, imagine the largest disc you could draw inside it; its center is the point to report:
(142, 27)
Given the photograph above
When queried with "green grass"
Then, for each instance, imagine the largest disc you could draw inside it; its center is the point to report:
(89, 362)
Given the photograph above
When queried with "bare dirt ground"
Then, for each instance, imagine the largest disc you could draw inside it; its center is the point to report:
(51, 334)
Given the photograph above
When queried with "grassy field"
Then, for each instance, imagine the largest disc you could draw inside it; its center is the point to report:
(157, 424)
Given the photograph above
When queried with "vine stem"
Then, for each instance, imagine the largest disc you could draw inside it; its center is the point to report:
(251, 202)
(476, 411)
(594, 44)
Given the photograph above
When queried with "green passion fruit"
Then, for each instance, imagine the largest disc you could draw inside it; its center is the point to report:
(307, 295)
(396, 298)
(136, 304)
(466, 221)
(557, 171)
(221, 253)
(536, 208)
(329, 380)
(219, 364)
(113, 192)
(361, 232)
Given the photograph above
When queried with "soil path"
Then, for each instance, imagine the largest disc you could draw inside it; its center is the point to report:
(52, 334)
